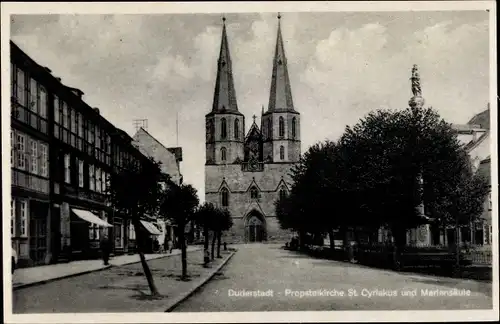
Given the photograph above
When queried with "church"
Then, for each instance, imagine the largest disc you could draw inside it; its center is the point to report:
(247, 171)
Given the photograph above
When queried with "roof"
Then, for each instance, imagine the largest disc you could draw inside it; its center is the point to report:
(472, 144)
(280, 97)
(151, 147)
(254, 130)
(485, 169)
(482, 119)
(224, 93)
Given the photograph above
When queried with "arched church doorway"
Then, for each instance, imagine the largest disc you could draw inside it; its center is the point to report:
(255, 228)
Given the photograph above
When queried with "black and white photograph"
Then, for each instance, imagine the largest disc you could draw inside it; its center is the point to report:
(249, 162)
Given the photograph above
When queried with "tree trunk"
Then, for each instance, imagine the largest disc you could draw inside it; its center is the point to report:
(206, 255)
(399, 235)
(219, 236)
(145, 267)
(457, 249)
(332, 239)
(214, 237)
(182, 242)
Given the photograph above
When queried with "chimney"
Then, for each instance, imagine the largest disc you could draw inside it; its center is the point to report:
(47, 69)
(97, 110)
(58, 79)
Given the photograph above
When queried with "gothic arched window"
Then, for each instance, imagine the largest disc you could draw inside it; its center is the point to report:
(254, 192)
(294, 125)
(281, 127)
(282, 152)
(224, 195)
(269, 128)
(237, 129)
(282, 193)
(223, 154)
(223, 128)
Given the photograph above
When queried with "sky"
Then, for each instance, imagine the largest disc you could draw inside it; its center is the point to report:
(342, 65)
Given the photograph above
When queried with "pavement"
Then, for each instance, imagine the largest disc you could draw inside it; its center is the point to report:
(25, 277)
(264, 277)
(119, 289)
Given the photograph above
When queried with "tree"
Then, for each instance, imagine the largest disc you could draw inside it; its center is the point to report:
(205, 215)
(316, 201)
(223, 222)
(179, 204)
(135, 190)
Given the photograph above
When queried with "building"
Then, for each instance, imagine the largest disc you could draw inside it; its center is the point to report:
(475, 136)
(59, 210)
(247, 173)
(30, 169)
(170, 159)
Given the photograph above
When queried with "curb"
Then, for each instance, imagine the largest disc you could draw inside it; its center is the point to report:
(183, 297)
(32, 284)
(36, 283)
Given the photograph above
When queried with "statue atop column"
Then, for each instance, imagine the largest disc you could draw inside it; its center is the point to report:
(416, 101)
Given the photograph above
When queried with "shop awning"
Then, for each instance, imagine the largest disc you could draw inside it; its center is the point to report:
(91, 218)
(150, 228)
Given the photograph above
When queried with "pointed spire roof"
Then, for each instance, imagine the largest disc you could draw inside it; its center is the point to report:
(280, 97)
(224, 94)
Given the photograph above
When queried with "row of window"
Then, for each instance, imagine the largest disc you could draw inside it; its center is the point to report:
(223, 128)
(18, 211)
(281, 128)
(29, 154)
(28, 92)
(223, 153)
(254, 194)
(97, 178)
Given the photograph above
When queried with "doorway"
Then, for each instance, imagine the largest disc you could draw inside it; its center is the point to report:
(38, 232)
(255, 229)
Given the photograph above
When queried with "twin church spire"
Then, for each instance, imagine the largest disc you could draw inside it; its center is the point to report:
(280, 98)
(224, 95)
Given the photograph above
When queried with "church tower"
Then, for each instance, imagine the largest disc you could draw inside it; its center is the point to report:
(280, 123)
(224, 124)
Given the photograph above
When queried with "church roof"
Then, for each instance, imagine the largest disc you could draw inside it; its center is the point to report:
(280, 97)
(224, 94)
(253, 131)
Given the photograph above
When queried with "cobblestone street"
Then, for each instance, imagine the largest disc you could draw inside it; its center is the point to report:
(286, 274)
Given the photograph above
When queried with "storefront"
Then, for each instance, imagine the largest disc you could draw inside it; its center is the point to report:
(81, 232)
(151, 234)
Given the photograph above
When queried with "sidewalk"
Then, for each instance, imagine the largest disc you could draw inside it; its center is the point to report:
(122, 289)
(26, 277)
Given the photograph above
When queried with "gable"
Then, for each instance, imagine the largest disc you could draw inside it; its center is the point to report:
(151, 147)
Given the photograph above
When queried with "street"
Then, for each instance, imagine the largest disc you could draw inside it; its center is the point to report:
(273, 279)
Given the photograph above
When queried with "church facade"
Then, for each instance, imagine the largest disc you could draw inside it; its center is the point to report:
(246, 172)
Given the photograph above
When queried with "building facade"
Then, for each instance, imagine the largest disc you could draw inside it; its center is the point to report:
(475, 136)
(246, 172)
(62, 153)
(170, 159)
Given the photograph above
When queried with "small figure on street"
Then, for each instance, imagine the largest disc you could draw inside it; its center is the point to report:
(225, 246)
(170, 246)
(105, 249)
